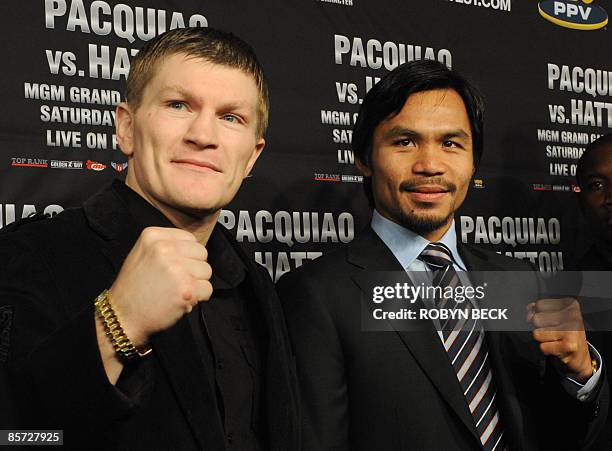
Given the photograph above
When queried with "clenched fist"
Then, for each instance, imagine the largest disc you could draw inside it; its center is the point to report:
(560, 331)
(163, 277)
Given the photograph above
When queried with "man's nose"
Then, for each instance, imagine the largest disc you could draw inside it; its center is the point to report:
(429, 161)
(203, 130)
(608, 194)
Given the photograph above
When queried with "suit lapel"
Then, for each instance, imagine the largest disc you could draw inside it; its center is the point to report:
(175, 348)
(108, 216)
(370, 253)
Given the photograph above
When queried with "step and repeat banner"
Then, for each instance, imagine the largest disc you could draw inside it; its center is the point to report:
(543, 66)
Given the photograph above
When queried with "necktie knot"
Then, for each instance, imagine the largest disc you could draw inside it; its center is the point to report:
(436, 256)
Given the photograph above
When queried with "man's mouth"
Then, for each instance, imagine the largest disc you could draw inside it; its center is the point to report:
(196, 165)
(428, 193)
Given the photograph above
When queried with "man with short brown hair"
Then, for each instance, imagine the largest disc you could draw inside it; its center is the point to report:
(141, 323)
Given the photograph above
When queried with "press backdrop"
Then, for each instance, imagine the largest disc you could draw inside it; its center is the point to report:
(542, 66)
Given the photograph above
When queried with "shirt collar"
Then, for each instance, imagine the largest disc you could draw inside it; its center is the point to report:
(228, 268)
(407, 245)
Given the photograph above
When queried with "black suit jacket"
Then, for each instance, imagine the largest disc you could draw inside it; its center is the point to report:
(52, 270)
(396, 390)
(593, 260)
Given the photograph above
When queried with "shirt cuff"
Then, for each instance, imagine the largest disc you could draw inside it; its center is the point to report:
(585, 392)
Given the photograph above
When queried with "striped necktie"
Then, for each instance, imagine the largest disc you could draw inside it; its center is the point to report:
(466, 347)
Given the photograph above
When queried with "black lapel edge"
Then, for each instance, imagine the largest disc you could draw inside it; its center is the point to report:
(370, 253)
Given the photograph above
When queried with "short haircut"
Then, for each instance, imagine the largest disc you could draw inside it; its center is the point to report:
(599, 143)
(215, 46)
(389, 95)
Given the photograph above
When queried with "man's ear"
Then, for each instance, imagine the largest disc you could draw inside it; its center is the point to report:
(259, 147)
(365, 171)
(124, 128)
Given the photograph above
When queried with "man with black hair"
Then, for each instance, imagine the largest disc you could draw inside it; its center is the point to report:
(594, 177)
(418, 141)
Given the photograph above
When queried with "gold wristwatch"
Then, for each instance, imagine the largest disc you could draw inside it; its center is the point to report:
(594, 364)
(121, 343)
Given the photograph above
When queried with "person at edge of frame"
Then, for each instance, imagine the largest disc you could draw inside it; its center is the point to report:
(136, 321)
(418, 141)
(594, 177)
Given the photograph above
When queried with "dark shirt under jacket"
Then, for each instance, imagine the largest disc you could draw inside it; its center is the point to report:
(228, 332)
(221, 378)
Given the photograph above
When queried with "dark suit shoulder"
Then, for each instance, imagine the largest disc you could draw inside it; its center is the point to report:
(42, 228)
(480, 259)
(330, 265)
(40, 240)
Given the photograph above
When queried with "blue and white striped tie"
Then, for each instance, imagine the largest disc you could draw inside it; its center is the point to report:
(465, 344)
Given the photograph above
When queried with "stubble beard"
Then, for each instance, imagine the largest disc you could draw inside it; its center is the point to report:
(422, 223)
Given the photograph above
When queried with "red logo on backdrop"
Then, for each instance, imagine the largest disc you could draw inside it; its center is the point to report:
(319, 177)
(119, 167)
(95, 166)
(29, 162)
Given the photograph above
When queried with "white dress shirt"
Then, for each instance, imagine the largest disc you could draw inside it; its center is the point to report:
(407, 245)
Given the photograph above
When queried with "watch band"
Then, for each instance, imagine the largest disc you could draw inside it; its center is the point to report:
(594, 364)
(112, 327)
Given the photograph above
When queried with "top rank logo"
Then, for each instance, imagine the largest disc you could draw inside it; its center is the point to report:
(576, 14)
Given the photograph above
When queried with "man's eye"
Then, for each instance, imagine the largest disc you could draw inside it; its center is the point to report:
(595, 185)
(177, 105)
(230, 118)
(450, 144)
(405, 142)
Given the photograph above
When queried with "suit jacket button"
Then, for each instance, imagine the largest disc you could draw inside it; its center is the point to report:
(596, 411)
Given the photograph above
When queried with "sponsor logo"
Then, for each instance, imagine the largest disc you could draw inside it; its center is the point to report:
(319, 177)
(346, 178)
(66, 164)
(555, 188)
(119, 167)
(335, 178)
(479, 183)
(29, 162)
(541, 187)
(575, 14)
(95, 166)
(565, 188)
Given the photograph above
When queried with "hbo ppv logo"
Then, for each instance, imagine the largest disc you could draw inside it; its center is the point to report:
(575, 14)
